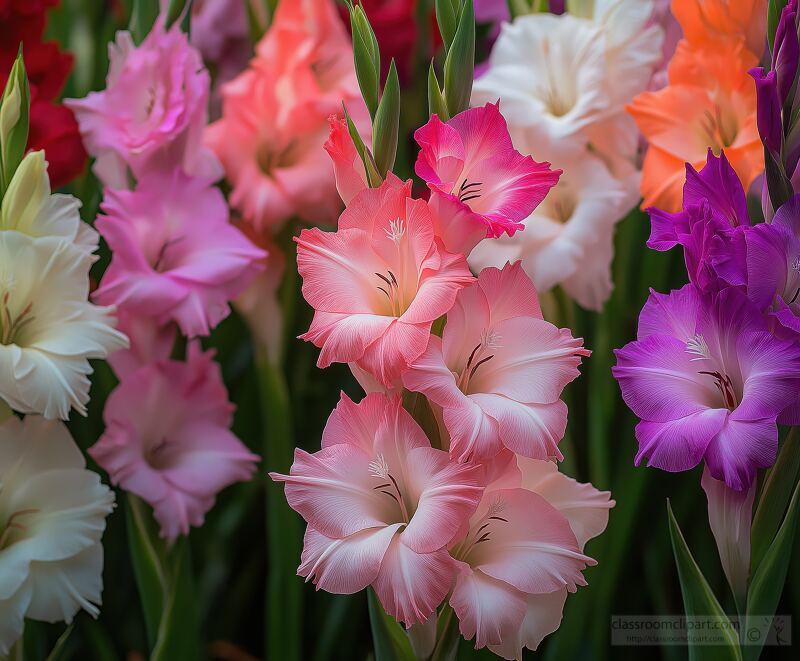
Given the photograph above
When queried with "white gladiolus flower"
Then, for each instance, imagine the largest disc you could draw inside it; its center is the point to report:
(549, 73)
(30, 208)
(52, 517)
(569, 238)
(48, 329)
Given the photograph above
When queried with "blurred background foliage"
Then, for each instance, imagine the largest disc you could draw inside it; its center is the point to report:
(246, 597)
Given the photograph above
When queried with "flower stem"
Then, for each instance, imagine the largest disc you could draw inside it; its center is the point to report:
(447, 636)
(283, 608)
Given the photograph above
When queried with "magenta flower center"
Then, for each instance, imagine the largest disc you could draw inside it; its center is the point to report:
(730, 391)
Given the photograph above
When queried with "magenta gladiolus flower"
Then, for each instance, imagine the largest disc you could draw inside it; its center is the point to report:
(522, 553)
(175, 255)
(710, 227)
(168, 439)
(708, 381)
(379, 282)
(471, 161)
(498, 371)
(153, 111)
(382, 506)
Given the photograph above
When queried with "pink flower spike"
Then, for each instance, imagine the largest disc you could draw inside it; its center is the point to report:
(168, 439)
(175, 255)
(471, 160)
(381, 506)
(153, 111)
(379, 282)
(351, 178)
(498, 371)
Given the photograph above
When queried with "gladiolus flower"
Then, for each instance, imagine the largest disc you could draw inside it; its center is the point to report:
(153, 111)
(708, 381)
(52, 517)
(275, 118)
(710, 22)
(48, 330)
(379, 282)
(351, 177)
(710, 102)
(470, 160)
(168, 439)
(175, 256)
(381, 506)
(523, 553)
(569, 238)
(498, 370)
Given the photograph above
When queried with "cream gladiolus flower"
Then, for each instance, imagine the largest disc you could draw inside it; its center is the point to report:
(52, 517)
(569, 238)
(48, 329)
(29, 207)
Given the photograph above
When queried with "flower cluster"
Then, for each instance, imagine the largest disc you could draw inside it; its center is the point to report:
(177, 262)
(275, 117)
(52, 126)
(563, 82)
(471, 514)
(709, 102)
(722, 352)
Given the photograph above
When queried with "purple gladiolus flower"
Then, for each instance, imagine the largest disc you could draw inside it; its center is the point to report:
(708, 381)
(710, 227)
(768, 116)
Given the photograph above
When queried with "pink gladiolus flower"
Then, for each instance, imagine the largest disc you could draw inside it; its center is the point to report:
(471, 161)
(150, 342)
(381, 505)
(498, 371)
(351, 178)
(153, 110)
(168, 441)
(175, 255)
(379, 282)
(523, 553)
(275, 118)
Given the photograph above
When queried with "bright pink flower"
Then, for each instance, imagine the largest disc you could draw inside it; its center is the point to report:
(523, 553)
(381, 505)
(168, 439)
(498, 371)
(472, 161)
(175, 256)
(351, 178)
(379, 282)
(153, 110)
(275, 117)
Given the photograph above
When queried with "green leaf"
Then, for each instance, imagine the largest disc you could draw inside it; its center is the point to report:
(59, 650)
(775, 495)
(774, 10)
(146, 552)
(446, 11)
(143, 16)
(699, 600)
(373, 176)
(179, 632)
(767, 583)
(367, 57)
(459, 66)
(436, 102)
(388, 637)
(778, 185)
(14, 120)
(387, 123)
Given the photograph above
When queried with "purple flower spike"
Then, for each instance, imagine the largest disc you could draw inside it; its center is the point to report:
(722, 380)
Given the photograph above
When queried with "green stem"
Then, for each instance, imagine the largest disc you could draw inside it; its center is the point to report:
(447, 638)
(284, 590)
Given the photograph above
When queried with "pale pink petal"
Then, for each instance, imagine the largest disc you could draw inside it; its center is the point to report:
(474, 436)
(532, 547)
(355, 423)
(411, 585)
(488, 610)
(348, 565)
(446, 493)
(459, 229)
(344, 337)
(585, 507)
(333, 491)
(510, 292)
(543, 613)
(391, 353)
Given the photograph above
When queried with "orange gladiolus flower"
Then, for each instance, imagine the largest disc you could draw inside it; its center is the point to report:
(710, 102)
